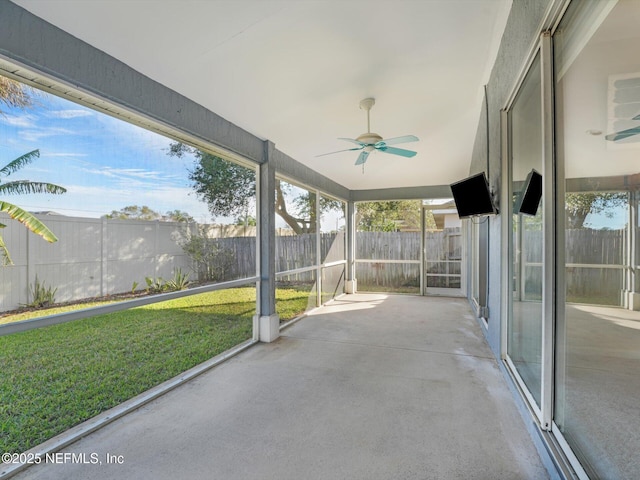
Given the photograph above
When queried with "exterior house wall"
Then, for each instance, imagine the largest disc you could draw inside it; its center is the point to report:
(522, 30)
(452, 221)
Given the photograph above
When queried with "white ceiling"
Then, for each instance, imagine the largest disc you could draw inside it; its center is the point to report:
(294, 72)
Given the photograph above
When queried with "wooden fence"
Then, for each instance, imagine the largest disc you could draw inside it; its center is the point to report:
(97, 257)
(595, 261)
(443, 260)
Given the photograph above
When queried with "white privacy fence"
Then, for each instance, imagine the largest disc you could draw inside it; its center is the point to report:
(93, 257)
(98, 257)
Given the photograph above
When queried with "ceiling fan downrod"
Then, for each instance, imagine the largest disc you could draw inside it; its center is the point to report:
(366, 104)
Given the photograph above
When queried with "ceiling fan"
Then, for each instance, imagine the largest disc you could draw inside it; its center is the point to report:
(368, 142)
(630, 132)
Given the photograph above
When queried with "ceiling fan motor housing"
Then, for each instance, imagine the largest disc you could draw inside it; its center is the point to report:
(369, 142)
(369, 138)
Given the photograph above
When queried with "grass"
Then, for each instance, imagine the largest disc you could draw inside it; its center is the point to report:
(41, 312)
(54, 378)
(606, 300)
(293, 299)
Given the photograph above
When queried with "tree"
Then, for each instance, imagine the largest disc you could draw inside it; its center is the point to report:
(15, 94)
(20, 187)
(134, 212)
(178, 216)
(579, 205)
(246, 220)
(391, 216)
(228, 190)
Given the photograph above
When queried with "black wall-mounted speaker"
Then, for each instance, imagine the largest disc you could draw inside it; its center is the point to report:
(530, 195)
(473, 197)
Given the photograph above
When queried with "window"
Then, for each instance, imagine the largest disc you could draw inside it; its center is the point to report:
(598, 323)
(524, 324)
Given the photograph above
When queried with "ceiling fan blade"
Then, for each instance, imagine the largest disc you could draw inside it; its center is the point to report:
(614, 137)
(398, 151)
(362, 158)
(353, 140)
(338, 151)
(395, 140)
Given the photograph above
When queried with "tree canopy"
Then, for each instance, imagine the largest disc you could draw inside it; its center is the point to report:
(391, 216)
(17, 95)
(137, 212)
(20, 187)
(229, 190)
(579, 205)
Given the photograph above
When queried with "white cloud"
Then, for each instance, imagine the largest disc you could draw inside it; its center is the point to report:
(69, 113)
(133, 177)
(23, 121)
(36, 134)
(62, 154)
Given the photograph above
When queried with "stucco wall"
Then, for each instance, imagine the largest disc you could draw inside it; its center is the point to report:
(523, 27)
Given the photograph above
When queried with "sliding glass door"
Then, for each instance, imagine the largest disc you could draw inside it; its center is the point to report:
(525, 313)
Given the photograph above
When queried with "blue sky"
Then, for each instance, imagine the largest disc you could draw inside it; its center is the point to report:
(104, 163)
(616, 221)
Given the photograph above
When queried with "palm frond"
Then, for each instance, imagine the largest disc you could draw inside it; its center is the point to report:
(5, 258)
(28, 220)
(15, 94)
(20, 187)
(19, 162)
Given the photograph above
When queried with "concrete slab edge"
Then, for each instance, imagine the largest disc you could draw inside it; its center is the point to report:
(305, 314)
(293, 320)
(74, 434)
(557, 468)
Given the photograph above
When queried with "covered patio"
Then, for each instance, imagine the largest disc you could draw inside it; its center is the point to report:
(368, 386)
(516, 354)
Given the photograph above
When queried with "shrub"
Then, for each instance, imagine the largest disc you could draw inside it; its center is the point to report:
(211, 261)
(154, 285)
(180, 281)
(41, 295)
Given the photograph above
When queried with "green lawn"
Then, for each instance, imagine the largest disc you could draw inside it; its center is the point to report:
(54, 378)
(294, 298)
(29, 314)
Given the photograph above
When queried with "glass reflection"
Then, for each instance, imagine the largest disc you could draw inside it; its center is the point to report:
(524, 344)
(598, 323)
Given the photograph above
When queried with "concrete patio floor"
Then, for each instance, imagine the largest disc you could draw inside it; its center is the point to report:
(370, 387)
